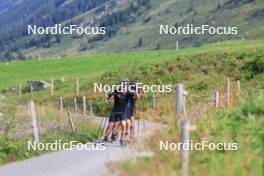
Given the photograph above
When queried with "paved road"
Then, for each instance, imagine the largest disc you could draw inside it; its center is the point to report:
(71, 163)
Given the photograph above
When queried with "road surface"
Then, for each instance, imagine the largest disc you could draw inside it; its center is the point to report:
(74, 162)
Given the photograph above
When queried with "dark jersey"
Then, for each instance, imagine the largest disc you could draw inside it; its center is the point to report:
(121, 100)
(131, 101)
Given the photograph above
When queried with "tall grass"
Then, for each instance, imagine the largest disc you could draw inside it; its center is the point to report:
(242, 124)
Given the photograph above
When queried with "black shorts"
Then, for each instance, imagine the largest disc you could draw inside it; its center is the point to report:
(130, 112)
(117, 116)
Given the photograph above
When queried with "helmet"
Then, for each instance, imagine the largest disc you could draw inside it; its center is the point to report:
(132, 83)
(124, 82)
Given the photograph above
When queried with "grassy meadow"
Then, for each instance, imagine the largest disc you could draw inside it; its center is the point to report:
(92, 67)
(242, 125)
(200, 70)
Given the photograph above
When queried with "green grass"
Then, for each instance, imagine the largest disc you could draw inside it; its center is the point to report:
(91, 67)
(199, 69)
(241, 125)
(13, 149)
(84, 67)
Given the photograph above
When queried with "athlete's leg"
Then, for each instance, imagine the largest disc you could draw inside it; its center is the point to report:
(111, 123)
(132, 126)
(123, 129)
(128, 126)
(115, 130)
(127, 114)
(132, 120)
(108, 130)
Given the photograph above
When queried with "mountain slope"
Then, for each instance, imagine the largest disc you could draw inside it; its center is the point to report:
(131, 25)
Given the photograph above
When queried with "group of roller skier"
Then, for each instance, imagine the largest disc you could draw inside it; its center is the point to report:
(121, 120)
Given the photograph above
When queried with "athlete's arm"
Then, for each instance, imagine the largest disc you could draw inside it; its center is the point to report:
(141, 93)
(110, 96)
(136, 94)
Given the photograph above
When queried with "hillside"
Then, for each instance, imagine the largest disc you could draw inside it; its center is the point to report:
(237, 59)
(131, 25)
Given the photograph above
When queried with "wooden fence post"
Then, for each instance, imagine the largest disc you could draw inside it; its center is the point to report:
(227, 94)
(153, 101)
(62, 79)
(91, 105)
(185, 134)
(52, 87)
(238, 87)
(31, 90)
(34, 121)
(20, 91)
(185, 93)
(70, 120)
(77, 87)
(84, 105)
(177, 44)
(75, 105)
(179, 101)
(216, 98)
(61, 104)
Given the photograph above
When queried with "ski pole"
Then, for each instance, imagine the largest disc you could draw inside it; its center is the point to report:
(100, 126)
(143, 113)
(102, 131)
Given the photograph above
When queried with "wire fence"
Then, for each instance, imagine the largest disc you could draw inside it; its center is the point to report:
(64, 112)
(80, 107)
